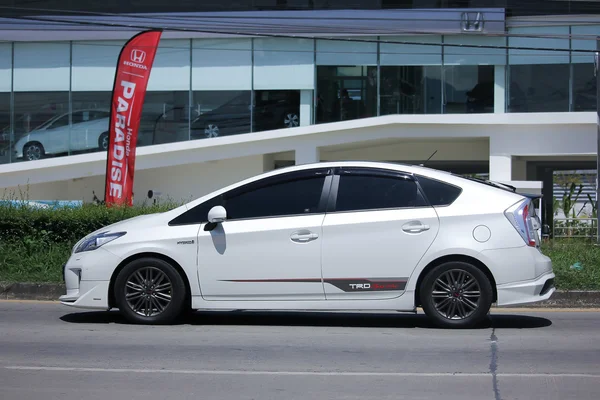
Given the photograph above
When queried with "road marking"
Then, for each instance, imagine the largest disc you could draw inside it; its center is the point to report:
(297, 373)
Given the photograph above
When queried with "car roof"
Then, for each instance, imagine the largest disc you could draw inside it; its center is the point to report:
(400, 167)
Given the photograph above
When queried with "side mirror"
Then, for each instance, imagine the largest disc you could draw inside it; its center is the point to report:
(217, 214)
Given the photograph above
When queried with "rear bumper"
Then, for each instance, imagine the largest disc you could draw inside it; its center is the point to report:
(525, 292)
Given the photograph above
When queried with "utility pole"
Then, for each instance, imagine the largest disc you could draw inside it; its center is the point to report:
(597, 75)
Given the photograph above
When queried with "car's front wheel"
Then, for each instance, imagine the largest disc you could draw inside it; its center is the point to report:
(456, 295)
(33, 151)
(150, 291)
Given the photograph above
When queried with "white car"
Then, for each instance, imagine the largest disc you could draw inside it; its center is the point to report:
(325, 236)
(88, 130)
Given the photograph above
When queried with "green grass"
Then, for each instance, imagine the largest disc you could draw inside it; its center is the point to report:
(565, 253)
(42, 262)
(33, 263)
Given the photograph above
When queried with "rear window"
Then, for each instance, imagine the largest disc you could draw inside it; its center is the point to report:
(438, 193)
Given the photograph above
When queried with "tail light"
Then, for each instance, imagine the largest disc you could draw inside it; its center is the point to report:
(522, 216)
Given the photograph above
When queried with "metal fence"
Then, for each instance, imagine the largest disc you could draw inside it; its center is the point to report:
(575, 228)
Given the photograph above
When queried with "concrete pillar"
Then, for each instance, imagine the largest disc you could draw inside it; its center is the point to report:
(505, 168)
(306, 107)
(500, 168)
(499, 89)
(307, 155)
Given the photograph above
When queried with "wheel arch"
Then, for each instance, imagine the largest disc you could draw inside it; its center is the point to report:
(455, 258)
(175, 264)
(34, 141)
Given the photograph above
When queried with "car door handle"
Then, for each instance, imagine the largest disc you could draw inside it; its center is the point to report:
(415, 227)
(303, 236)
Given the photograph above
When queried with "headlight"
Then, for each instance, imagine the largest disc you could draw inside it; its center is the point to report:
(99, 239)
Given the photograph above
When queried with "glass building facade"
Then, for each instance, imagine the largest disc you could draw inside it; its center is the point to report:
(513, 7)
(55, 96)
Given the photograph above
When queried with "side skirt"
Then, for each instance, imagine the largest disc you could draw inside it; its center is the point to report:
(403, 303)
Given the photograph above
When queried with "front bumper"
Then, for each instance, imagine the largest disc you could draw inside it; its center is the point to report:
(87, 278)
(533, 291)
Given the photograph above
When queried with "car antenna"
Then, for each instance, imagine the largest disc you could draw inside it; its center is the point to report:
(430, 157)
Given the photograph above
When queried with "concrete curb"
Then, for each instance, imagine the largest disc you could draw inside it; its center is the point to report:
(31, 291)
(569, 299)
(51, 291)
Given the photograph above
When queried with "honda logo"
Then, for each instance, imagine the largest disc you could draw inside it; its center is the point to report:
(472, 22)
(138, 56)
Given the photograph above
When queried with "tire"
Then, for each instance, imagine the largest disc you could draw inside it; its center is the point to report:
(33, 151)
(444, 302)
(103, 142)
(140, 303)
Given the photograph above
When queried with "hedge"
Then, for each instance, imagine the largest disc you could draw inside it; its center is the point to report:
(35, 243)
(25, 224)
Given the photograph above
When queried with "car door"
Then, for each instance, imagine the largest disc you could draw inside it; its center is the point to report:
(55, 136)
(78, 131)
(377, 228)
(269, 247)
(93, 124)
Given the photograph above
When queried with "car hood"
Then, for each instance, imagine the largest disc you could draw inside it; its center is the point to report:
(124, 225)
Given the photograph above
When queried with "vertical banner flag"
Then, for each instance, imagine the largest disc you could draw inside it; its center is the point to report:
(129, 89)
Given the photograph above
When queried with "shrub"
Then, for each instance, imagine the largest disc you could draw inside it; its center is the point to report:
(35, 242)
(34, 226)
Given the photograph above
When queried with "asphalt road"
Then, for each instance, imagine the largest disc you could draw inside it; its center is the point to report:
(48, 351)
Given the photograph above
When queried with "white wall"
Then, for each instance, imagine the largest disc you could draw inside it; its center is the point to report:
(179, 183)
(214, 162)
(414, 150)
(40, 191)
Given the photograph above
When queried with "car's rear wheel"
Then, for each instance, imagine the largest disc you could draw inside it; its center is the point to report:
(211, 130)
(103, 141)
(456, 295)
(150, 291)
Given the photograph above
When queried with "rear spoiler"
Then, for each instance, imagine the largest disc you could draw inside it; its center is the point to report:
(531, 196)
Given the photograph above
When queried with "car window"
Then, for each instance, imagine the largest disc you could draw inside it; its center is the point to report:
(198, 214)
(374, 192)
(438, 193)
(293, 197)
(101, 114)
(290, 194)
(79, 116)
(62, 121)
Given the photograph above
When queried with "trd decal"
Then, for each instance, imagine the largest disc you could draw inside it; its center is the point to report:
(368, 285)
(345, 284)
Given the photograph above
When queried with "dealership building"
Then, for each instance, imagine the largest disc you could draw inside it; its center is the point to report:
(505, 88)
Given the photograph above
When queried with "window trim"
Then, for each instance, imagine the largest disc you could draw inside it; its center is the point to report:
(373, 172)
(269, 181)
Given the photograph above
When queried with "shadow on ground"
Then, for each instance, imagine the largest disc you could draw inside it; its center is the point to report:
(329, 319)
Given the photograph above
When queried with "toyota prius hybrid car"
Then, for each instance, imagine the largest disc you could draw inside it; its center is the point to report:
(325, 236)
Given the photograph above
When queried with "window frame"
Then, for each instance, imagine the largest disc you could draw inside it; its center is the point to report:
(267, 182)
(373, 172)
